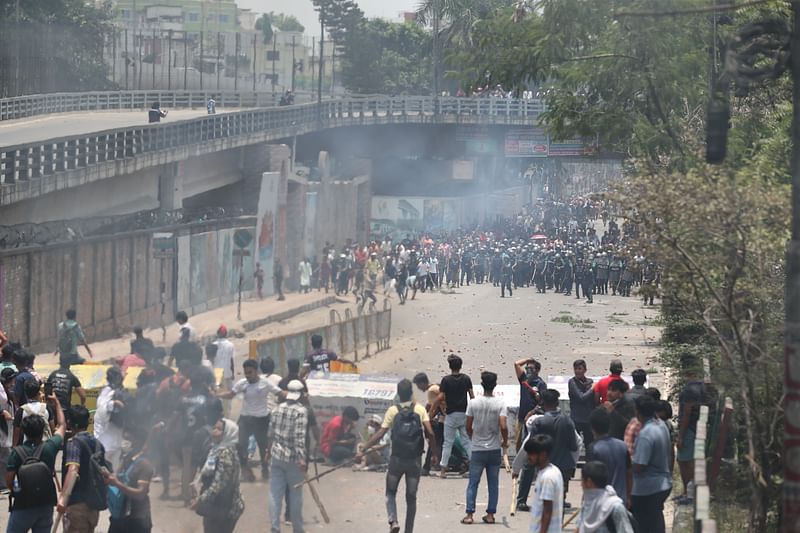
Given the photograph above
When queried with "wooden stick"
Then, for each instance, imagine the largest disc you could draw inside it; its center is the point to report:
(506, 462)
(335, 468)
(317, 500)
(570, 519)
(514, 485)
(57, 522)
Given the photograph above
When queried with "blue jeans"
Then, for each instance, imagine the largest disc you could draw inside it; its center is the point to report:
(35, 519)
(454, 423)
(284, 477)
(490, 461)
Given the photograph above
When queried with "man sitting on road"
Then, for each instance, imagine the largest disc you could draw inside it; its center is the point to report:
(339, 439)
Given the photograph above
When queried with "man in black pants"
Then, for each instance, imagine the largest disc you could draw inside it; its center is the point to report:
(254, 419)
(408, 422)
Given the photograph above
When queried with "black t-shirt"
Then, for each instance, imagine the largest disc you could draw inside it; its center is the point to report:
(455, 388)
(320, 360)
(141, 471)
(692, 393)
(187, 351)
(63, 381)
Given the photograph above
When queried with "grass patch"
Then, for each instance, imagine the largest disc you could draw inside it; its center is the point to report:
(575, 322)
(652, 322)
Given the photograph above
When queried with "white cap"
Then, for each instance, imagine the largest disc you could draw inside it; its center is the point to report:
(295, 388)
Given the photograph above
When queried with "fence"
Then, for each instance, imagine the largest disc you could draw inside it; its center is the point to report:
(352, 336)
(32, 161)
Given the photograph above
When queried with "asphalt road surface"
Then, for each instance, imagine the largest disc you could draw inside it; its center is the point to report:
(41, 128)
(488, 332)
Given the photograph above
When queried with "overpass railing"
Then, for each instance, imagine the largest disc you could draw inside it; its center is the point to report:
(40, 159)
(46, 104)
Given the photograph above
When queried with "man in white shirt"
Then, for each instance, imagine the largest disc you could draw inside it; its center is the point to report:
(225, 358)
(107, 432)
(548, 490)
(486, 426)
(254, 419)
(184, 328)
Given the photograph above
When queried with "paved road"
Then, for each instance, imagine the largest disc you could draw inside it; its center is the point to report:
(489, 332)
(13, 132)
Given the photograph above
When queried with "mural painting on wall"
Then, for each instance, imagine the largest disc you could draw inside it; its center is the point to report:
(395, 215)
(440, 215)
(265, 227)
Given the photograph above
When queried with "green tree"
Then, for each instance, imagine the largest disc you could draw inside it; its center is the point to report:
(269, 22)
(383, 57)
(59, 43)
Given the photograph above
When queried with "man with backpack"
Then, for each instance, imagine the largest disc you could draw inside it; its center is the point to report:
(33, 407)
(70, 336)
(30, 470)
(410, 426)
(84, 492)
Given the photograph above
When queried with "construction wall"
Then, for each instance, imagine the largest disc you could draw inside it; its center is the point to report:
(114, 282)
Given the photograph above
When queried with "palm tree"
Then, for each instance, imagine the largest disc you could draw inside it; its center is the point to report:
(457, 18)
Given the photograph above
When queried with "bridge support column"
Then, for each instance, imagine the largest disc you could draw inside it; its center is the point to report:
(170, 186)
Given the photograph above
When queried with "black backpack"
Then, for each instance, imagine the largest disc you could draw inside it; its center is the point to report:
(96, 489)
(408, 440)
(120, 416)
(36, 486)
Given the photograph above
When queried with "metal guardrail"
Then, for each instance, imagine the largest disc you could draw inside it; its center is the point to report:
(46, 104)
(38, 160)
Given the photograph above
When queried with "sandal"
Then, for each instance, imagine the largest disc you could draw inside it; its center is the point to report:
(487, 520)
(467, 520)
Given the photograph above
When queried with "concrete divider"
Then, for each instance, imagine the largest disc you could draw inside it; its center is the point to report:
(353, 336)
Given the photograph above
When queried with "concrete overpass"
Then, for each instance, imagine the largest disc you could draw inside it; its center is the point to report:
(100, 140)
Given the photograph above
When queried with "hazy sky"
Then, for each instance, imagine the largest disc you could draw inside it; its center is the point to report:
(304, 10)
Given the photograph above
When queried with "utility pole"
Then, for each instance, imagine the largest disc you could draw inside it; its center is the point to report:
(18, 40)
(141, 65)
(294, 61)
(127, 59)
(313, 57)
(219, 52)
(274, 53)
(321, 61)
(237, 51)
(153, 53)
(791, 439)
(202, 61)
(169, 60)
(435, 48)
(185, 59)
(254, 62)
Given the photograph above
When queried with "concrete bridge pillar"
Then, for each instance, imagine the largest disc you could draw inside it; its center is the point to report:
(170, 186)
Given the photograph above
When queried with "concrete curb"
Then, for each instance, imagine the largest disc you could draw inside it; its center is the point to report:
(289, 313)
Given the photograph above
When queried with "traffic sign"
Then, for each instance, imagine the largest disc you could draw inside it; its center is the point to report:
(242, 238)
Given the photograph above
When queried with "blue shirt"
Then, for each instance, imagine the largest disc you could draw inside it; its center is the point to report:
(614, 454)
(653, 450)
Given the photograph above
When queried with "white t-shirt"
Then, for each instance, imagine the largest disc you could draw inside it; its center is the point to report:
(256, 396)
(486, 412)
(272, 399)
(549, 486)
(108, 433)
(192, 331)
(226, 357)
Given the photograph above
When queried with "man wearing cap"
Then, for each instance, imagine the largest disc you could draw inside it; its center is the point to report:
(289, 457)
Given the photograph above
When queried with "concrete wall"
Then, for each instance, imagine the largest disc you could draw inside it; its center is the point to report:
(113, 282)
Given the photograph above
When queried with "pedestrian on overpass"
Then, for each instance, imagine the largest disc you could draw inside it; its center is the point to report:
(156, 113)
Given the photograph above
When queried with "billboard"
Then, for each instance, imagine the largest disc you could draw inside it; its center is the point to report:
(528, 142)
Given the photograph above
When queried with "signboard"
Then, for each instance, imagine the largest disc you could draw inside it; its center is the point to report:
(481, 146)
(242, 238)
(571, 147)
(528, 142)
(164, 245)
